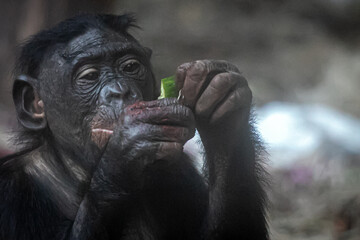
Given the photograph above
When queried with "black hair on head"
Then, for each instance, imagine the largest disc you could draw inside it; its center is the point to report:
(34, 49)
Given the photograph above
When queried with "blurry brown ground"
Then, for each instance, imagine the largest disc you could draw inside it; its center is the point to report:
(304, 52)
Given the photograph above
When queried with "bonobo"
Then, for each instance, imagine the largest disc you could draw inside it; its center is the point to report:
(102, 157)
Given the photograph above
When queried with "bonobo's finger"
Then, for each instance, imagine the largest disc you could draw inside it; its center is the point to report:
(159, 150)
(217, 91)
(180, 74)
(193, 77)
(168, 133)
(239, 99)
(169, 151)
(153, 133)
(151, 104)
(140, 149)
(178, 115)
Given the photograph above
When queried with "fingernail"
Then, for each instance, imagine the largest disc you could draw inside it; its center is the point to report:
(180, 97)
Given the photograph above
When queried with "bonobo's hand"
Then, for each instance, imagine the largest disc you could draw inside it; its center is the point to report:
(218, 95)
(145, 132)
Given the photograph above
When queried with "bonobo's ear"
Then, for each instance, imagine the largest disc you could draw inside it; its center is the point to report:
(29, 106)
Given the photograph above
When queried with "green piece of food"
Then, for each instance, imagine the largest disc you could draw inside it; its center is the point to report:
(168, 88)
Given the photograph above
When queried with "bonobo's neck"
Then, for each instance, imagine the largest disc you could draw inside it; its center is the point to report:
(62, 177)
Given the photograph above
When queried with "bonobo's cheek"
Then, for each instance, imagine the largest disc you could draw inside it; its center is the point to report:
(102, 125)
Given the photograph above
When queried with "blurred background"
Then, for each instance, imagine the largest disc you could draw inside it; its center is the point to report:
(302, 60)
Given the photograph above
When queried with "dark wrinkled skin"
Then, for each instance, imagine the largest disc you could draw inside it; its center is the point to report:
(113, 166)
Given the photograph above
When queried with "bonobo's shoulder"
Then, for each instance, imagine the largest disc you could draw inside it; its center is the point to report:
(25, 213)
(14, 163)
(13, 177)
(15, 187)
(14, 181)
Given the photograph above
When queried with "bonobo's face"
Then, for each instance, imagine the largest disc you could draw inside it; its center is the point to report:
(86, 83)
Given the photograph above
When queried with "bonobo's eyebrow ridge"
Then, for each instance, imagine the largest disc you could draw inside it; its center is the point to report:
(108, 50)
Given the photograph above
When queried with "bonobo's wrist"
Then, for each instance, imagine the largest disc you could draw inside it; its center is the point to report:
(224, 136)
(104, 189)
(106, 204)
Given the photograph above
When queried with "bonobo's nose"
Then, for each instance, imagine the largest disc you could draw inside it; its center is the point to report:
(120, 92)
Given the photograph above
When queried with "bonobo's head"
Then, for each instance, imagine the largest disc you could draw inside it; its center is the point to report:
(77, 76)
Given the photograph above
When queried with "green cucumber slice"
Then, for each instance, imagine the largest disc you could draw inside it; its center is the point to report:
(168, 88)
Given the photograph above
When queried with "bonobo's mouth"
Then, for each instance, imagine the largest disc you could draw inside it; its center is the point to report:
(102, 125)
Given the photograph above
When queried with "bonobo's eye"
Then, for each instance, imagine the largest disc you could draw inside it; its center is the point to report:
(131, 67)
(91, 74)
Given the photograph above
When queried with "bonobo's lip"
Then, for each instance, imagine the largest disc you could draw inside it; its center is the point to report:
(104, 119)
(101, 136)
(95, 130)
(102, 125)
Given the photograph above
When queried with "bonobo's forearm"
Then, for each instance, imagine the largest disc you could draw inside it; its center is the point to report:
(103, 202)
(88, 223)
(95, 217)
(235, 195)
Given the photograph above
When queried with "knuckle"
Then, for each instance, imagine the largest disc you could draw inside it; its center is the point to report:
(231, 67)
(234, 98)
(184, 113)
(219, 80)
(239, 79)
(200, 64)
(222, 65)
(183, 67)
(166, 102)
(226, 78)
(223, 80)
(198, 69)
